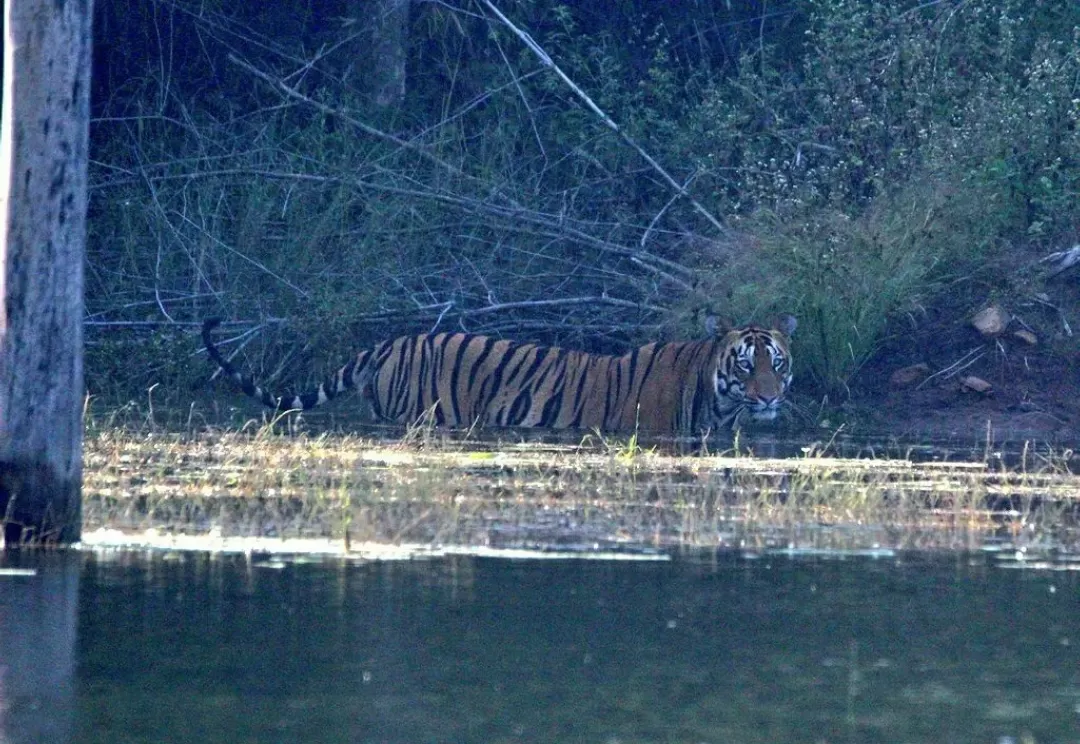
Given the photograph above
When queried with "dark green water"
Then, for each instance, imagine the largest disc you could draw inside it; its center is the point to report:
(185, 648)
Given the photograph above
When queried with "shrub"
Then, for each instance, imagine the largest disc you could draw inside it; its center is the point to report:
(865, 152)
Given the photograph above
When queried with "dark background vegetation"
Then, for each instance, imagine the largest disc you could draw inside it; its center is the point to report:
(328, 174)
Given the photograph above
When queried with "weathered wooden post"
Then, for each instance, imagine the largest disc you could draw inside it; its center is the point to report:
(43, 151)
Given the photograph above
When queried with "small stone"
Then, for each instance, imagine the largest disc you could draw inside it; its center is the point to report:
(1027, 337)
(973, 384)
(909, 375)
(991, 321)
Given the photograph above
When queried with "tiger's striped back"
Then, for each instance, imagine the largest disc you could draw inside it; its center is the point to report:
(463, 379)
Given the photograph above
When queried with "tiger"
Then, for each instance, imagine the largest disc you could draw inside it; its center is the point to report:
(463, 379)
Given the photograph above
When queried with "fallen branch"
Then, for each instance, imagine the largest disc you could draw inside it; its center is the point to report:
(1064, 259)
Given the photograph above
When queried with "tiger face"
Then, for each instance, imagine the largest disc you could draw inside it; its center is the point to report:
(753, 372)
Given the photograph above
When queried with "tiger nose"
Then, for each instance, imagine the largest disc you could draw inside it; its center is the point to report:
(768, 401)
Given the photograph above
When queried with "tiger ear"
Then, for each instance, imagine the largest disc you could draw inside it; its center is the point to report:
(785, 324)
(714, 326)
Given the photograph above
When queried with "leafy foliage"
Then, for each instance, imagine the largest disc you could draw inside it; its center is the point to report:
(860, 154)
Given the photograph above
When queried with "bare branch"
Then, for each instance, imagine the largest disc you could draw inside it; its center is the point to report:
(546, 60)
(282, 87)
(1064, 260)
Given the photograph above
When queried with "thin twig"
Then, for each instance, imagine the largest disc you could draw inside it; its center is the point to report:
(547, 61)
(563, 301)
(969, 358)
(291, 92)
(552, 225)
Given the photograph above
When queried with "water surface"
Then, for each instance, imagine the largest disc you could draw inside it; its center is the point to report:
(725, 648)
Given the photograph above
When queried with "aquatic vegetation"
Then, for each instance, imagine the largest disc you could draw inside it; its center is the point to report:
(591, 494)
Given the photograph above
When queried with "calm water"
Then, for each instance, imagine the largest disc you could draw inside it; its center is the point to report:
(187, 648)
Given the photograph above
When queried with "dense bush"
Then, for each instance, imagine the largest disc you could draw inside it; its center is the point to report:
(857, 153)
(912, 144)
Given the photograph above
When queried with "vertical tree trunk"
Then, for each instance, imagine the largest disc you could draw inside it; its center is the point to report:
(391, 34)
(43, 152)
(387, 24)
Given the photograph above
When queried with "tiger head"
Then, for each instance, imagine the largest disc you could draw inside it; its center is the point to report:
(753, 371)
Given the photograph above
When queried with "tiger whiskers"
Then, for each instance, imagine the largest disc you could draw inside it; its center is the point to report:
(808, 418)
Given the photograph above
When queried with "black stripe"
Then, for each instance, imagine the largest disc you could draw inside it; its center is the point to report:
(377, 361)
(462, 353)
(500, 370)
(431, 354)
(551, 408)
(427, 376)
(541, 355)
(477, 396)
(523, 400)
(614, 394)
(521, 405)
(516, 358)
(556, 373)
(579, 392)
(400, 378)
(637, 380)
